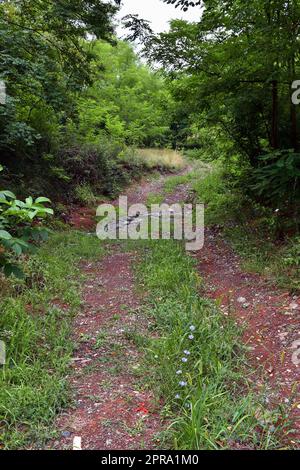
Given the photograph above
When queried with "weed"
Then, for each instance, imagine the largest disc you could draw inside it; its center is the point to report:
(253, 230)
(100, 340)
(84, 194)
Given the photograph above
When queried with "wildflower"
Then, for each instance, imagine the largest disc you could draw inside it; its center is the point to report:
(182, 384)
(179, 372)
(186, 352)
(184, 359)
(192, 328)
(191, 337)
(177, 396)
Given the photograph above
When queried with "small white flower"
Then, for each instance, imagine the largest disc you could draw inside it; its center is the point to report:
(191, 337)
(177, 396)
(182, 383)
(184, 359)
(186, 352)
(192, 328)
(179, 372)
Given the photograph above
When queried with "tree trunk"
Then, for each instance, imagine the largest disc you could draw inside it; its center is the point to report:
(294, 131)
(274, 133)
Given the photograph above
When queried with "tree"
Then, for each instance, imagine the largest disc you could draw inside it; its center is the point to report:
(241, 59)
(45, 63)
(127, 101)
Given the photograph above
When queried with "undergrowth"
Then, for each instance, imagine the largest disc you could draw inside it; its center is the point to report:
(257, 232)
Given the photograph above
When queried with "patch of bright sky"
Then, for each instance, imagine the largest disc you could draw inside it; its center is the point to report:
(157, 12)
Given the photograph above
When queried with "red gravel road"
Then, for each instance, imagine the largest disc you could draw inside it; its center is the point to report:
(271, 319)
(112, 408)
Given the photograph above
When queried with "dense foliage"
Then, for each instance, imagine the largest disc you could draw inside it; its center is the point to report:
(231, 74)
(44, 64)
(73, 92)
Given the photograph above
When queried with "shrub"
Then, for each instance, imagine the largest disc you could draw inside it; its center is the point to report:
(277, 178)
(93, 166)
(19, 227)
(84, 194)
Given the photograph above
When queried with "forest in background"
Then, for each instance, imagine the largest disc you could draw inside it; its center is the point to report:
(73, 105)
(220, 88)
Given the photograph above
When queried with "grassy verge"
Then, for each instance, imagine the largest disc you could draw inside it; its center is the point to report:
(196, 361)
(198, 171)
(253, 230)
(35, 323)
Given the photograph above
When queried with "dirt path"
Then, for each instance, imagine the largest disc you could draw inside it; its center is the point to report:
(112, 408)
(271, 318)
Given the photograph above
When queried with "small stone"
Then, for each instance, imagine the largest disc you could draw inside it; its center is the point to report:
(246, 305)
(293, 306)
(241, 300)
(66, 434)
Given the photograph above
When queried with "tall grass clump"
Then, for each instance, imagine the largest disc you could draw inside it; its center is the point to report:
(160, 159)
(197, 360)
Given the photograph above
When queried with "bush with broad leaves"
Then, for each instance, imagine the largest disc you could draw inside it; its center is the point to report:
(20, 228)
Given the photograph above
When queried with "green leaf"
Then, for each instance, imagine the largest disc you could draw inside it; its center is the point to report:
(7, 194)
(40, 200)
(17, 249)
(12, 269)
(33, 214)
(29, 201)
(5, 235)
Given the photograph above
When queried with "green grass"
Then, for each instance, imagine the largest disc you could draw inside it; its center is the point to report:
(160, 158)
(154, 198)
(199, 170)
(84, 194)
(36, 330)
(217, 406)
(251, 228)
